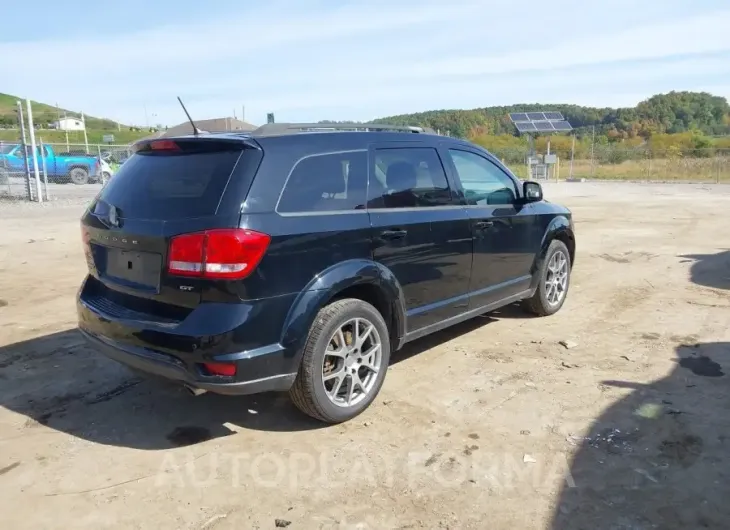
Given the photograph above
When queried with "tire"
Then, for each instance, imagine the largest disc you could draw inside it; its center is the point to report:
(4, 175)
(79, 175)
(310, 391)
(543, 302)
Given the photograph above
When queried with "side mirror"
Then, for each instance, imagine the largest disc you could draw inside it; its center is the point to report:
(532, 191)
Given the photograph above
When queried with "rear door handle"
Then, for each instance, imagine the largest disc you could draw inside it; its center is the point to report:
(481, 225)
(393, 234)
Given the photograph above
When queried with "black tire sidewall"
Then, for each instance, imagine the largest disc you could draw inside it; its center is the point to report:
(555, 246)
(356, 309)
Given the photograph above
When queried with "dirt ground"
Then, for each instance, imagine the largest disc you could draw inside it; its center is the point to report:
(492, 424)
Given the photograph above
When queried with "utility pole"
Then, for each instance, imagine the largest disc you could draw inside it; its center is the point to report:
(86, 138)
(65, 128)
(593, 146)
(45, 168)
(36, 173)
(572, 156)
(21, 119)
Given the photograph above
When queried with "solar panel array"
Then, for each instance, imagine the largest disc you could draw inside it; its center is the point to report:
(525, 126)
(536, 122)
(562, 126)
(536, 116)
(518, 116)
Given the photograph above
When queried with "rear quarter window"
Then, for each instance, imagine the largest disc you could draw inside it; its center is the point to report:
(326, 182)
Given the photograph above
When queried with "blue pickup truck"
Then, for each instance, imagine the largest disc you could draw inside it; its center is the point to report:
(61, 167)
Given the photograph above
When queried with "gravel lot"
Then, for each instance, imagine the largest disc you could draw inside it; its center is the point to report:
(492, 424)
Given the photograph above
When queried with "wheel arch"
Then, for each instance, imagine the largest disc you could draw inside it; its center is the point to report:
(363, 279)
(560, 228)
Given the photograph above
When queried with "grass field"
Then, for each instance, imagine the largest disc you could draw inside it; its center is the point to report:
(44, 114)
(76, 137)
(716, 169)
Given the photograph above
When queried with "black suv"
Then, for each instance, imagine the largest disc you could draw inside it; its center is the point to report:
(298, 257)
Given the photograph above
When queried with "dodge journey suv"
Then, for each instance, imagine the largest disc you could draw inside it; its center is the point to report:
(299, 257)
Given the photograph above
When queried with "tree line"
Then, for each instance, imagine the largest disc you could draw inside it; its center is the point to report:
(674, 124)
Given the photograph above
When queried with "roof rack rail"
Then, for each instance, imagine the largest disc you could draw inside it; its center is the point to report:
(273, 129)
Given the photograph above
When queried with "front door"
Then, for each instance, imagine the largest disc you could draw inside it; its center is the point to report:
(502, 228)
(420, 231)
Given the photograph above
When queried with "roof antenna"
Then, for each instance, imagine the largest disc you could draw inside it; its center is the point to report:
(196, 131)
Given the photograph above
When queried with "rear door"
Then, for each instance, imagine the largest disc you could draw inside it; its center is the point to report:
(420, 231)
(165, 189)
(502, 227)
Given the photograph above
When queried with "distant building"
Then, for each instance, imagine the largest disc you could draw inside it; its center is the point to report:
(69, 124)
(214, 125)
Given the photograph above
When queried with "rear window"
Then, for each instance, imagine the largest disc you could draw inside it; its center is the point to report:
(171, 185)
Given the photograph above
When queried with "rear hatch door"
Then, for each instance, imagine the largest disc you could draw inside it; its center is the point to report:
(167, 188)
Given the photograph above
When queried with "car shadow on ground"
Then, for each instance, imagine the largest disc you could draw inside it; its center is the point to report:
(710, 270)
(58, 381)
(657, 458)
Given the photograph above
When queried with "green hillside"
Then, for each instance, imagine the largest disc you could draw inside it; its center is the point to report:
(684, 120)
(672, 113)
(44, 114)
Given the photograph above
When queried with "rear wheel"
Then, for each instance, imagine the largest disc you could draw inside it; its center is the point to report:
(344, 363)
(554, 281)
(79, 175)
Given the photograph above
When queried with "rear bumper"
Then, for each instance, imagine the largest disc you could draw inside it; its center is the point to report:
(168, 367)
(246, 334)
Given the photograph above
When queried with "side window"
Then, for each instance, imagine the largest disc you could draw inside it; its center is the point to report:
(326, 183)
(483, 182)
(408, 178)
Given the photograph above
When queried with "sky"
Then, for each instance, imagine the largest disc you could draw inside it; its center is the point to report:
(311, 60)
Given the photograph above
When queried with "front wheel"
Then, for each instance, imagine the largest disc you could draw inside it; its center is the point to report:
(554, 275)
(344, 362)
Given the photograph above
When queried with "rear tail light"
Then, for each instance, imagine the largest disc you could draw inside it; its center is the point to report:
(224, 254)
(225, 369)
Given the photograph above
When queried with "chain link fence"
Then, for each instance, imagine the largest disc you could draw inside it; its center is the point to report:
(73, 170)
(608, 163)
(58, 171)
(78, 170)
